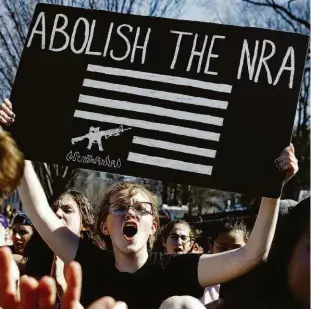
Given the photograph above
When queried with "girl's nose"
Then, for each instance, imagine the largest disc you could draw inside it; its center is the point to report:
(131, 213)
(59, 213)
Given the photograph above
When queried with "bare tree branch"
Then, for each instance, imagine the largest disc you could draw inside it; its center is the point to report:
(278, 8)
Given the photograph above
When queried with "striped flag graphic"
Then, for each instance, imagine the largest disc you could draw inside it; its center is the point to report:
(177, 121)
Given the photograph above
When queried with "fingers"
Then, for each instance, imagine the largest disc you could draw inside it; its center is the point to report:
(8, 103)
(107, 303)
(7, 109)
(47, 293)
(287, 162)
(73, 276)
(6, 115)
(7, 283)
(28, 292)
(4, 118)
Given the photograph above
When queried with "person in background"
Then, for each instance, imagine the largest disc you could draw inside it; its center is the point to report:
(283, 281)
(11, 170)
(5, 238)
(230, 233)
(22, 231)
(178, 237)
(127, 222)
(76, 212)
(41, 294)
(8, 212)
(287, 275)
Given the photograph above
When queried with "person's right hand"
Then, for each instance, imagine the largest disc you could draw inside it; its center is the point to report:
(6, 114)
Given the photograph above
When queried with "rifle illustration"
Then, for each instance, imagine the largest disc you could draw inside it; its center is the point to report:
(95, 136)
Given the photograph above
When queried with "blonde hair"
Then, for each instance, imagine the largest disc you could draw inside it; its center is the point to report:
(11, 164)
(133, 188)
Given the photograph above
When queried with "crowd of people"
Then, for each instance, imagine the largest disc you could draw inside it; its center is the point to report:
(64, 254)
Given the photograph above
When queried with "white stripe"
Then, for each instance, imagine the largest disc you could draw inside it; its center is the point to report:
(161, 78)
(148, 125)
(149, 109)
(169, 163)
(174, 147)
(157, 94)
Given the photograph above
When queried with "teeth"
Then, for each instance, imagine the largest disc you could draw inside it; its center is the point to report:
(130, 224)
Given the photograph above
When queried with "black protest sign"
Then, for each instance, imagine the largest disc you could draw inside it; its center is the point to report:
(187, 102)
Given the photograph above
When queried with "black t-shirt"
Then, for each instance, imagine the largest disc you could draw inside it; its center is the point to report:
(161, 276)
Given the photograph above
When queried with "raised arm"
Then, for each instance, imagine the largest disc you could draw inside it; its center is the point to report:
(219, 268)
(61, 240)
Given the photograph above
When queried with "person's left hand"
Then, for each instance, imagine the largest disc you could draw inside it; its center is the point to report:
(287, 162)
(42, 294)
(33, 294)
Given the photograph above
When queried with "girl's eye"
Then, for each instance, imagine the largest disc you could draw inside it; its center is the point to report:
(67, 210)
(139, 207)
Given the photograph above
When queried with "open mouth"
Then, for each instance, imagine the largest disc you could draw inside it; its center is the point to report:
(178, 250)
(129, 230)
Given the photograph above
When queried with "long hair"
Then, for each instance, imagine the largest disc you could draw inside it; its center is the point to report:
(133, 188)
(87, 213)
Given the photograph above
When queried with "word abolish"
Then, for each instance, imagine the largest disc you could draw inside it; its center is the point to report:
(60, 32)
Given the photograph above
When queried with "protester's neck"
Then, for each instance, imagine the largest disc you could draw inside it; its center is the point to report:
(130, 262)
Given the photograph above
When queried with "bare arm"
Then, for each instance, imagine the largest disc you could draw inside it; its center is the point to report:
(219, 268)
(61, 240)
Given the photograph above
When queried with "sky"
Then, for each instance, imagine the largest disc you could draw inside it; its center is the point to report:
(209, 12)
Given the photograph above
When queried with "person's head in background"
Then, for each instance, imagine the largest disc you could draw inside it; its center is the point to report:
(230, 233)
(178, 237)
(5, 239)
(22, 231)
(75, 210)
(8, 210)
(38, 258)
(289, 259)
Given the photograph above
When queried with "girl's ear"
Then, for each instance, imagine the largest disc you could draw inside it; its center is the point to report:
(85, 228)
(104, 229)
(163, 242)
(154, 227)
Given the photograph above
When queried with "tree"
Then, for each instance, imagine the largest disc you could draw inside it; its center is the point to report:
(54, 178)
(16, 15)
(292, 16)
(15, 19)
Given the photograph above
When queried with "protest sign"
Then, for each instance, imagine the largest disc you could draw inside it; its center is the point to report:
(188, 102)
